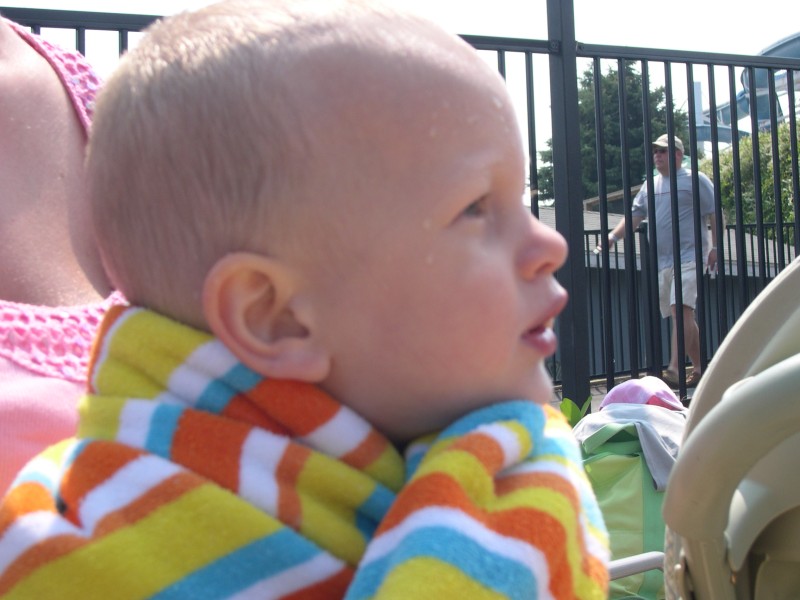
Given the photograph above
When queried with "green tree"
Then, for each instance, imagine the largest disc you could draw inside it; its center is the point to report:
(726, 181)
(609, 98)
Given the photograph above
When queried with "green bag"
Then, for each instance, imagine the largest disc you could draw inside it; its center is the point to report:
(630, 504)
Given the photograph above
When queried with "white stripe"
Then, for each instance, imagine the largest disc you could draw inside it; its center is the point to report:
(30, 529)
(513, 549)
(594, 545)
(261, 453)
(339, 435)
(311, 572)
(213, 359)
(186, 382)
(205, 364)
(134, 422)
(507, 440)
(125, 486)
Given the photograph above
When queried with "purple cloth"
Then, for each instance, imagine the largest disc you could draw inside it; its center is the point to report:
(647, 390)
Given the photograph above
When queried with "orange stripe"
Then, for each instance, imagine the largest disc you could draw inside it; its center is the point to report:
(242, 409)
(25, 498)
(299, 406)
(111, 317)
(597, 571)
(484, 447)
(545, 532)
(290, 511)
(367, 452)
(554, 481)
(210, 446)
(436, 489)
(333, 587)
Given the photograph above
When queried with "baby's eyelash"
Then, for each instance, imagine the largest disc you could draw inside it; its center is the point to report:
(476, 208)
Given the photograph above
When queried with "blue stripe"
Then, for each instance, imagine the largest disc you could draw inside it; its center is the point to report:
(215, 397)
(529, 414)
(504, 576)
(242, 378)
(218, 394)
(372, 511)
(163, 424)
(242, 568)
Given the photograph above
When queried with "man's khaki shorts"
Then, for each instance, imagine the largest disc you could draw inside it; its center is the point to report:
(666, 288)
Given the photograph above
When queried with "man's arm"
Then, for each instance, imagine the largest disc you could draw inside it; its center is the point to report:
(711, 261)
(618, 231)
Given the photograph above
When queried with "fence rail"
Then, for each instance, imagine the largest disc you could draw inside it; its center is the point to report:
(589, 149)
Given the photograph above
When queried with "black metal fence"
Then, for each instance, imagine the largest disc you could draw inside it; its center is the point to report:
(589, 152)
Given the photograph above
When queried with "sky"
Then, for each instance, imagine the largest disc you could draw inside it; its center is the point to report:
(716, 26)
(702, 25)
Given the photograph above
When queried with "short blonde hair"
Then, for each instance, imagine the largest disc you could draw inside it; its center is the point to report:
(197, 145)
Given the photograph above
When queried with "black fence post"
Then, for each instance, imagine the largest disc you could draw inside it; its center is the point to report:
(568, 193)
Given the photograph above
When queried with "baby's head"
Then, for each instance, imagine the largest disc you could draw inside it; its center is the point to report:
(334, 190)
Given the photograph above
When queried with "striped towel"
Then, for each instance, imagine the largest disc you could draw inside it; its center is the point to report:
(194, 477)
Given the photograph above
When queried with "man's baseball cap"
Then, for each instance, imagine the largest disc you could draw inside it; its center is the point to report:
(663, 142)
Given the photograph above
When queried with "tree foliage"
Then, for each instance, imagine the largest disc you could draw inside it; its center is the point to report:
(747, 188)
(612, 142)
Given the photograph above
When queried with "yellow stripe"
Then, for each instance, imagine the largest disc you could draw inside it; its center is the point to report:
(431, 578)
(327, 489)
(388, 469)
(466, 469)
(139, 560)
(100, 417)
(172, 345)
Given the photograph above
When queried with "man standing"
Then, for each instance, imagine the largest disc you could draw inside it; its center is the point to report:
(666, 271)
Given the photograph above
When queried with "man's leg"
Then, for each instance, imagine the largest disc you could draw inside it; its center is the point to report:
(691, 340)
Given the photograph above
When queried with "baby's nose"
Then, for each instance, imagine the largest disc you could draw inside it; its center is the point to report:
(544, 250)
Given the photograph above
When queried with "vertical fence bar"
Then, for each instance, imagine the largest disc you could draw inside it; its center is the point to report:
(741, 251)
(530, 98)
(607, 321)
(779, 252)
(501, 62)
(80, 40)
(568, 193)
(677, 267)
(755, 127)
(793, 146)
(722, 305)
(630, 255)
(655, 359)
(699, 224)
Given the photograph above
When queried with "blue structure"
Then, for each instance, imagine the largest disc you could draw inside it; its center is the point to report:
(758, 94)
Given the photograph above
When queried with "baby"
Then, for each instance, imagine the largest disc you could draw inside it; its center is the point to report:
(314, 209)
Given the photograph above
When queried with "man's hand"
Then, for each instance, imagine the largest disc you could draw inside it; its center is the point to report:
(711, 261)
(612, 239)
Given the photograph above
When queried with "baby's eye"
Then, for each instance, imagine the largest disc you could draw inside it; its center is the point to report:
(476, 209)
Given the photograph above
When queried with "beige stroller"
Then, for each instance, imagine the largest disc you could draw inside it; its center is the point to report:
(732, 504)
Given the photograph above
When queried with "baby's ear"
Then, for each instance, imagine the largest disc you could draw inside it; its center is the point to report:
(250, 303)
